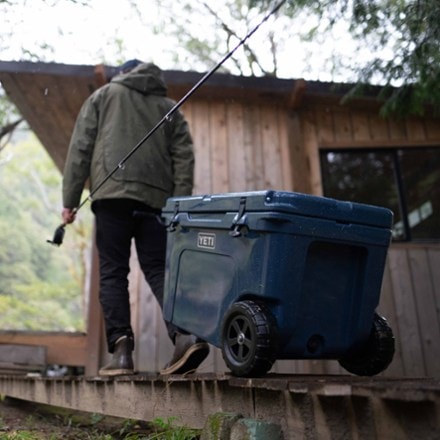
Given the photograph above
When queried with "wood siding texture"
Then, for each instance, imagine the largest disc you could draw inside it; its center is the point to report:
(238, 147)
(244, 146)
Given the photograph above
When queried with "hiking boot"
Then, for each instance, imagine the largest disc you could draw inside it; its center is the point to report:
(122, 362)
(189, 353)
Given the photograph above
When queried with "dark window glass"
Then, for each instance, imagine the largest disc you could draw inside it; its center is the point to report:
(421, 182)
(407, 181)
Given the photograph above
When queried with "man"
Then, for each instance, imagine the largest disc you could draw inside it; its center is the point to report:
(111, 122)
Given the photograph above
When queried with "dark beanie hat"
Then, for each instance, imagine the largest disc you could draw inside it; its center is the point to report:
(129, 65)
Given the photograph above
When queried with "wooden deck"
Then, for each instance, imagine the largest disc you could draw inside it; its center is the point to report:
(305, 406)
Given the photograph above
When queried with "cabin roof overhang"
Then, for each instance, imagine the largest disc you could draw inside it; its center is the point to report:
(49, 95)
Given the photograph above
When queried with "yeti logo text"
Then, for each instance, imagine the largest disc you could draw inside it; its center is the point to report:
(205, 240)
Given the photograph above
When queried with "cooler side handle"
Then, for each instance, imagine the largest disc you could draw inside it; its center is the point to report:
(171, 227)
(239, 219)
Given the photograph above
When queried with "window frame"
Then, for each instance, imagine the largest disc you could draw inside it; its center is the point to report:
(398, 179)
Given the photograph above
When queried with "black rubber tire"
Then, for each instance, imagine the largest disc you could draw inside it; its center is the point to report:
(377, 353)
(249, 339)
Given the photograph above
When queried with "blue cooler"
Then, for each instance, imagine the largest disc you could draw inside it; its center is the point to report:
(269, 275)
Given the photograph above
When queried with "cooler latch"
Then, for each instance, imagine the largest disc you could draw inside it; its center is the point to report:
(239, 220)
(175, 220)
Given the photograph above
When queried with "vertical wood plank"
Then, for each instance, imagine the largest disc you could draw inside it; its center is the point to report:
(378, 128)
(219, 147)
(406, 313)
(187, 111)
(325, 125)
(415, 129)
(236, 147)
(96, 341)
(134, 282)
(432, 129)
(253, 149)
(299, 164)
(153, 347)
(271, 149)
(285, 156)
(434, 265)
(202, 148)
(426, 309)
(343, 128)
(387, 309)
(312, 151)
(397, 129)
(360, 126)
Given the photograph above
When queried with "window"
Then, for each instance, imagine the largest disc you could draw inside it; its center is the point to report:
(405, 180)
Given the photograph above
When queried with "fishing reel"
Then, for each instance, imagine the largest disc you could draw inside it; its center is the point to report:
(58, 236)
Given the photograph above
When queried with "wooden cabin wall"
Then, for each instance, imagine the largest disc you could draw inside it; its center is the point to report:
(244, 147)
(238, 146)
(411, 303)
(410, 297)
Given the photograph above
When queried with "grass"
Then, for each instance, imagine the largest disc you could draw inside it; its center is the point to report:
(168, 430)
(22, 421)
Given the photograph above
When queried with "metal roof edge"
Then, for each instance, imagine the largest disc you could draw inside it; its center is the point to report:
(265, 85)
(46, 68)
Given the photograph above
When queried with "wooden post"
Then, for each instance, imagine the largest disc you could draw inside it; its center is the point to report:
(94, 318)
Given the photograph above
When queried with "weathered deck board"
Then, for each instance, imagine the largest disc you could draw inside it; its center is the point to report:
(306, 406)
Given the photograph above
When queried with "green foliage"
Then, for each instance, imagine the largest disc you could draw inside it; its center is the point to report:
(40, 286)
(402, 35)
(169, 430)
(228, 23)
(95, 418)
(413, 29)
(43, 307)
(158, 429)
(7, 109)
(47, 422)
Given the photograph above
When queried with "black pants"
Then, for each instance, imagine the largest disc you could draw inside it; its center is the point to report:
(117, 222)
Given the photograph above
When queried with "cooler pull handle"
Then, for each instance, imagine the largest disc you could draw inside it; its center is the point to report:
(239, 219)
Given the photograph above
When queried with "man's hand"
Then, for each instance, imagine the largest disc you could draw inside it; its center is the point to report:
(68, 215)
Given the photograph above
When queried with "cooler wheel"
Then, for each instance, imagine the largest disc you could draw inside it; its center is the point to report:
(249, 339)
(377, 353)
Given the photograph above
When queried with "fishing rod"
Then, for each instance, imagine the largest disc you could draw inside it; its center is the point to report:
(60, 230)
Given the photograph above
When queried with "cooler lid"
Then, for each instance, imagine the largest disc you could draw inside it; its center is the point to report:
(283, 201)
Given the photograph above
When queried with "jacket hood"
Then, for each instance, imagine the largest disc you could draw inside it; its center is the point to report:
(146, 78)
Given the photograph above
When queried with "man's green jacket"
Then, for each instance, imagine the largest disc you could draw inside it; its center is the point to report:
(111, 122)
